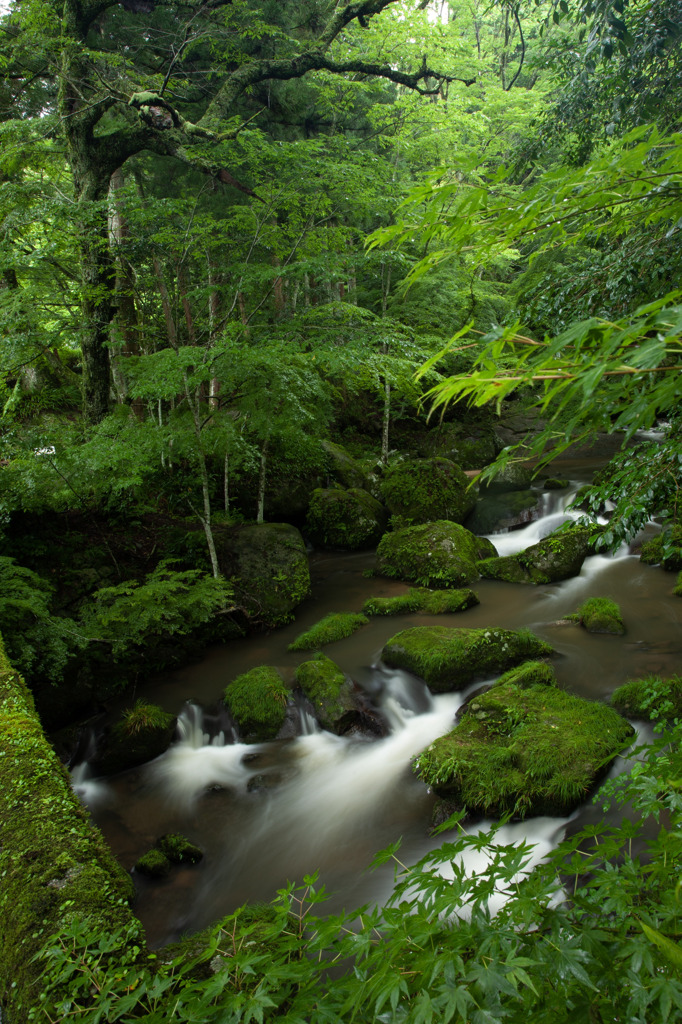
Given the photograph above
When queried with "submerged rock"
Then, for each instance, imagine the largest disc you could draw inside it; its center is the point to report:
(331, 694)
(335, 626)
(345, 520)
(419, 599)
(449, 658)
(523, 749)
(154, 864)
(424, 490)
(556, 557)
(436, 553)
(179, 849)
(601, 615)
(257, 701)
(143, 733)
(268, 564)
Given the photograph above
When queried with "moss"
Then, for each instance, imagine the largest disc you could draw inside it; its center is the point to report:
(257, 701)
(54, 865)
(154, 864)
(529, 673)
(515, 476)
(144, 732)
(505, 568)
(436, 553)
(429, 602)
(502, 511)
(329, 692)
(335, 626)
(178, 849)
(449, 658)
(345, 520)
(556, 483)
(650, 698)
(677, 590)
(468, 444)
(601, 615)
(665, 549)
(343, 467)
(557, 557)
(524, 750)
(424, 490)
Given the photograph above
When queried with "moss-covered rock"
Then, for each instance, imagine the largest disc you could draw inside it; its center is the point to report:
(524, 750)
(515, 476)
(54, 865)
(556, 557)
(268, 564)
(257, 701)
(345, 520)
(529, 673)
(179, 849)
(504, 511)
(677, 589)
(331, 694)
(650, 698)
(601, 615)
(436, 553)
(142, 733)
(154, 864)
(449, 658)
(424, 490)
(556, 483)
(333, 627)
(665, 549)
(343, 468)
(419, 599)
(470, 445)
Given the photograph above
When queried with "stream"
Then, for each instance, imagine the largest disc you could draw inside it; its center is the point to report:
(270, 813)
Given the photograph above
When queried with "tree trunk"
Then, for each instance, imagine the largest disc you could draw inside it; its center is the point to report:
(260, 510)
(386, 421)
(124, 328)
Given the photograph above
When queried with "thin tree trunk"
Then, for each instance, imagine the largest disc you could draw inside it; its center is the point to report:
(386, 421)
(260, 509)
(125, 327)
(187, 309)
(226, 482)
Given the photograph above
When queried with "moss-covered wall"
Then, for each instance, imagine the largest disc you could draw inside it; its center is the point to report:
(53, 863)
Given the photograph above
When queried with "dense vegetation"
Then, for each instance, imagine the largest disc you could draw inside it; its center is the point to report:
(244, 247)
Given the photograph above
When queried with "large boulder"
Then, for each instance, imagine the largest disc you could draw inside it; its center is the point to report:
(515, 476)
(424, 490)
(449, 658)
(342, 467)
(523, 749)
(142, 733)
(257, 700)
(504, 511)
(442, 553)
(344, 520)
(268, 565)
(556, 557)
(470, 445)
(331, 693)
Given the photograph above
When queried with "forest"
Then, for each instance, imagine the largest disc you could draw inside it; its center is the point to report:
(275, 279)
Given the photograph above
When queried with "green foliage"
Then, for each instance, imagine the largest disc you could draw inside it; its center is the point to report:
(333, 627)
(428, 602)
(601, 615)
(650, 698)
(143, 717)
(257, 701)
(38, 642)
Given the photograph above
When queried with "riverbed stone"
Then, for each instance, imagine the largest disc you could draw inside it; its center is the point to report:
(601, 615)
(257, 700)
(504, 511)
(424, 490)
(556, 557)
(441, 552)
(449, 658)
(345, 520)
(523, 750)
(179, 849)
(471, 445)
(515, 476)
(333, 627)
(331, 694)
(268, 565)
(420, 599)
(141, 734)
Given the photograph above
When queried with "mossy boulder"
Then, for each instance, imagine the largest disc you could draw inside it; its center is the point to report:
(268, 564)
(470, 445)
(504, 511)
(556, 483)
(345, 520)
(343, 468)
(524, 750)
(333, 627)
(556, 557)
(601, 615)
(436, 553)
(331, 694)
(257, 700)
(419, 599)
(154, 864)
(424, 490)
(515, 476)
(665, 549)
(650, 698)
(179, 849)
(529, 673)
(450, 658)
(141, 734)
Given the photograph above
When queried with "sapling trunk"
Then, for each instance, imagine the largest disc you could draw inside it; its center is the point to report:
(261, 482)
(386, 421)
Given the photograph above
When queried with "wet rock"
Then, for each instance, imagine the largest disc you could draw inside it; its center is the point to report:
(601, 615)
(556, 483)
(257, 701)
(450, 658)
(343, 468)
(665, 549)
(470, 445)
(345, 520)
(557, 557)
(154, 864)
(504, 511)
(331, 693)
(420, 599)
(142, 733)
(178, 849)
(523, 750)
(333, 627)
(442, 553)
(516, 476)
(424, 490)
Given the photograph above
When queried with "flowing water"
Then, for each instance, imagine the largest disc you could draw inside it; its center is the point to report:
(271, 813)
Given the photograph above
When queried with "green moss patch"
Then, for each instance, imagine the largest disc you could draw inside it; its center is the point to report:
(650, 698)
(503, 511)
(440, 553)
(144, 732)
(179, 849)
(449, 658)
(428, 602)
(335, 626)
(601, 615)
(154, 864)
(423, 490)
(665, 549)
(677, 591)
(556, 483)
(524, 750)
(330, 692)
(257, 701)
(556, 557)
(345, 520)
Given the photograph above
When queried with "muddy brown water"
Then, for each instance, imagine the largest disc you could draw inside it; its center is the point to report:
(272, 813)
